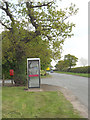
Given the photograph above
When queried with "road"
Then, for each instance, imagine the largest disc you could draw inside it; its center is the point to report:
(76, 84)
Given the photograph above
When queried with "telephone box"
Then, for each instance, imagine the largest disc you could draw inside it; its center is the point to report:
(33, 72)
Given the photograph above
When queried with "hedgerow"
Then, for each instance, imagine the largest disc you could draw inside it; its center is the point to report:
(85, 69)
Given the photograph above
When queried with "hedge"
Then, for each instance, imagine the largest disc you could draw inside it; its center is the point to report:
(85, 69)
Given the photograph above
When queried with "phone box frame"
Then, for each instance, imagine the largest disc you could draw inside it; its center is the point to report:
(33, 59)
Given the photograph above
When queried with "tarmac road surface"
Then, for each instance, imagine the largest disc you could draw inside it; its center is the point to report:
(76, 84)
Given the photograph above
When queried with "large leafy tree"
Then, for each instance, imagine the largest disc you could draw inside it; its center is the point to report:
(15, 55)
(61, 65)
(66, 64)
(70, 60)
(35, 29)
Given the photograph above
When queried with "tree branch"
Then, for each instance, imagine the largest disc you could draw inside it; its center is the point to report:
(31, 6)
(5, 26)
(49, 37)
(65, 18)
(7, 11)
(31, 15)
(32, 19)
(2, 8)
(6, 5)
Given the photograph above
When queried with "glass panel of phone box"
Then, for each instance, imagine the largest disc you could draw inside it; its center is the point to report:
(33, 73)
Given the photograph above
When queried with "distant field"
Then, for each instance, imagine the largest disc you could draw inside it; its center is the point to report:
(18, 103)
(80, 74)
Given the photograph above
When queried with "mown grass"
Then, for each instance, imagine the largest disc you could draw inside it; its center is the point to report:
(79, 74)
(18, 103)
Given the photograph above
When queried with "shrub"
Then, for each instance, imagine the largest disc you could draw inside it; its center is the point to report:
(85, 69)
(42, 72)
(65, 69)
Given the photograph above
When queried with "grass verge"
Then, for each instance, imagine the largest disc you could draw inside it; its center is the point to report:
(46, 76)
(17, 103)
(79, 74)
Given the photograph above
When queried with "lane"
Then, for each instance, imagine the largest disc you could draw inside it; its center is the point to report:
(76, 84)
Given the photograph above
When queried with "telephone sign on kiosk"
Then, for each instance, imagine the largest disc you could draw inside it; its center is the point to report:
(33, 72)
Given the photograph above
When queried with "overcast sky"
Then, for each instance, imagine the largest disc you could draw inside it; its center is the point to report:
(78, 44)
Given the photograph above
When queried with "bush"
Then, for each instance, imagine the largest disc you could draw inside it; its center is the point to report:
(20, 79)
(6, 75)
(65, 70)
(42, 72)
(85, 69)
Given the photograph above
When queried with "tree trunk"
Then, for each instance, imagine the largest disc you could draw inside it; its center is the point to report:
(20, 73)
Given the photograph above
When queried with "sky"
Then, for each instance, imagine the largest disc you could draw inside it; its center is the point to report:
(78, 44)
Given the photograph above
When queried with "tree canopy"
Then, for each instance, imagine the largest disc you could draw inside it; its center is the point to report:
(34, 29)
(66, 64)
(61, 65)
(70, 60)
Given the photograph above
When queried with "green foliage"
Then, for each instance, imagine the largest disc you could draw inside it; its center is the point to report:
(85, 69)
(70, 60)
(34, 30)
(42, 72)
(17, 53)
(49, 22)
(61, 65)
(67, 63)
(65, 69)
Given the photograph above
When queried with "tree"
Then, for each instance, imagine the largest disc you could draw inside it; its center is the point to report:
(49, 27)
(70, 60)
(61, 65)
(15, 55)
